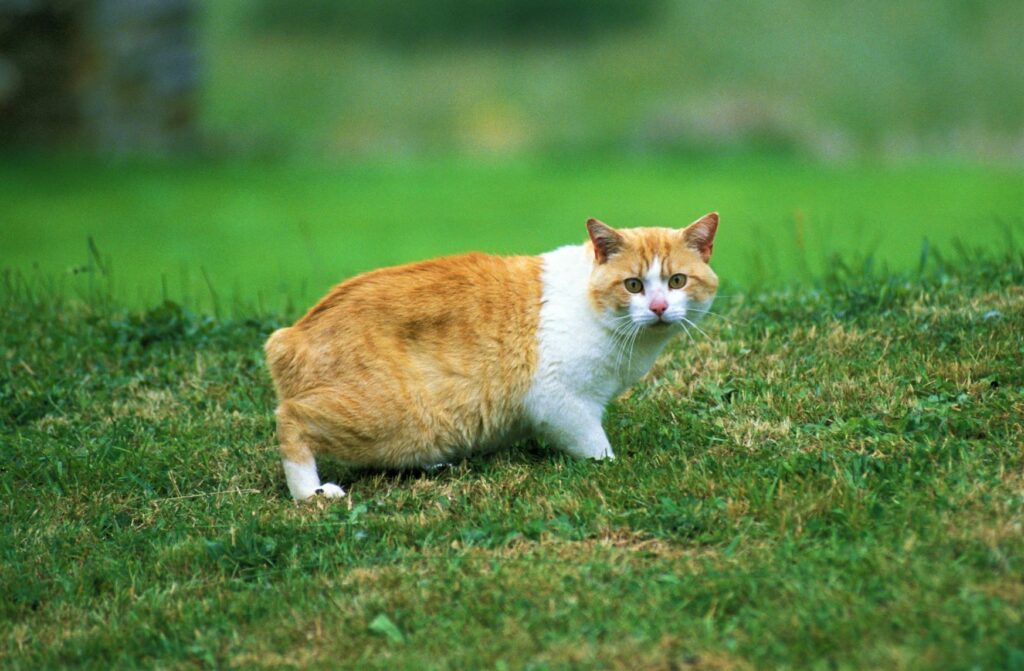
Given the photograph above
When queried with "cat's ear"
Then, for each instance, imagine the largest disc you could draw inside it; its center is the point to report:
(700, 235)
(607, 241)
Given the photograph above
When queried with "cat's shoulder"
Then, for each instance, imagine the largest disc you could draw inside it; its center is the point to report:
(569, 264)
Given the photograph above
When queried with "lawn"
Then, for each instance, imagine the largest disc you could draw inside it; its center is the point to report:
(829, 478)
(277, 234)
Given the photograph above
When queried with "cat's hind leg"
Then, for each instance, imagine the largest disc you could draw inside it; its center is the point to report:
(298, 459)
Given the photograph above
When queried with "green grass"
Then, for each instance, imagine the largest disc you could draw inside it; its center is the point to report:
(830, 479)
(270, 232)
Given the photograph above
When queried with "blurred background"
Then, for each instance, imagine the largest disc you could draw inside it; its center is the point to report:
(271, 147)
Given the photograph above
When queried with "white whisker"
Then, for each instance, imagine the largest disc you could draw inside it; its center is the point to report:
(620, 335)
(632, 345)
(686, 331)
(714, 314)
(699, 329)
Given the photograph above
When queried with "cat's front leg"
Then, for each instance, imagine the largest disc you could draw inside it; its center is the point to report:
(574, 428)
(592, 444)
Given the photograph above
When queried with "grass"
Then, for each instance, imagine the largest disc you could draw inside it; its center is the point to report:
(831, 479)
(211, 235)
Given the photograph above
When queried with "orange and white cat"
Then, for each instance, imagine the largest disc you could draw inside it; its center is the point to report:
(419, 364)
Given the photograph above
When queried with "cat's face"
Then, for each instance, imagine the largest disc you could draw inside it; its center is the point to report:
(653, 277)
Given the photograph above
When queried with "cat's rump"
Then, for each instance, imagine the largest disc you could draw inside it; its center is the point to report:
(284, 360)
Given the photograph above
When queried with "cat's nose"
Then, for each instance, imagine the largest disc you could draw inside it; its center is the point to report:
(659, 305)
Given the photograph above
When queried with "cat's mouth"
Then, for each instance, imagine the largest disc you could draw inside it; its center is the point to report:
(659, 323)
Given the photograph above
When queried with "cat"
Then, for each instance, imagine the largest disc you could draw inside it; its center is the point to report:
(416, 365)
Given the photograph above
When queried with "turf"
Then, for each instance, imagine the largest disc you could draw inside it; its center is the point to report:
(210, 235)
(830, 477)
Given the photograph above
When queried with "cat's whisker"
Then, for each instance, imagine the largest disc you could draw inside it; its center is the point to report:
(699, 329)
(715, 314)
(621, 358)
(687, 332)
(623, 345)
(619, 336)
(726, 298)
(632, 345)
(623, 318)
(628, 344)
(622, 329)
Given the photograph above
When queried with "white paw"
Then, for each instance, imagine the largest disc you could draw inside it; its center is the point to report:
(330, 490)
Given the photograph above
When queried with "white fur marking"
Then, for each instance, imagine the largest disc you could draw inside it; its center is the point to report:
(304, 482)
(580, 367)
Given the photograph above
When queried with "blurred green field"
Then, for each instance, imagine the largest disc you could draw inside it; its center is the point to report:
(834, 80)
(330, 149)
(281, 233)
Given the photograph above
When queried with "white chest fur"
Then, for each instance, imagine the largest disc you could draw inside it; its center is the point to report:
(582, 361)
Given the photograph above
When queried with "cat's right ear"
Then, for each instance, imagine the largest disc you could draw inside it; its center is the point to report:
(607, 241)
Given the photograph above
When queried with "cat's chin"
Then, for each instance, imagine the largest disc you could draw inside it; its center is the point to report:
(659, 326)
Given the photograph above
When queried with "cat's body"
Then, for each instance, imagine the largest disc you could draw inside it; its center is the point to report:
(423, 363)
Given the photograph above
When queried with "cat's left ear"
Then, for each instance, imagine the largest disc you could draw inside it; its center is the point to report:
(607, 241)
(700, 235)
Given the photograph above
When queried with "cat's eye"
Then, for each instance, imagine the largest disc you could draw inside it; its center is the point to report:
(633, 285)
(677, 281)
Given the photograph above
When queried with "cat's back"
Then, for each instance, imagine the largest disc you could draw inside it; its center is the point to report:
(440, 324)
(473, 285)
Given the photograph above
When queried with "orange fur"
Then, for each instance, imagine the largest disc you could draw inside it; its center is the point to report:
(409, 365)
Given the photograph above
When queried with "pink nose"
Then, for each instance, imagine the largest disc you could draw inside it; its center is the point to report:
(659, 305)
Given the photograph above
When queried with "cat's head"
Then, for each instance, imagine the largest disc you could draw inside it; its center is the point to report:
(653, 277)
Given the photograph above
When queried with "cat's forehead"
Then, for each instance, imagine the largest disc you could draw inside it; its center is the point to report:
(651, 241)
(644, 245)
